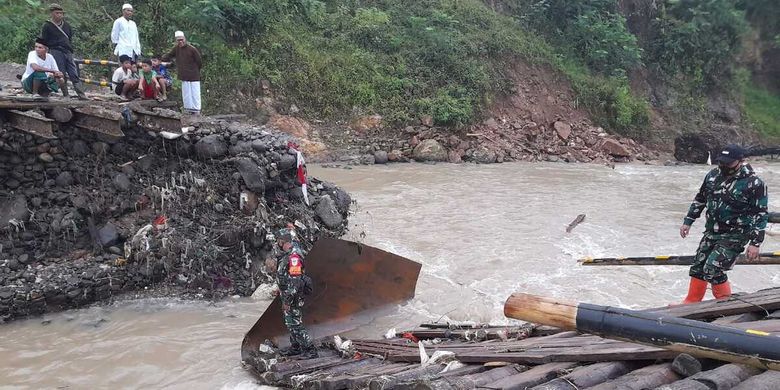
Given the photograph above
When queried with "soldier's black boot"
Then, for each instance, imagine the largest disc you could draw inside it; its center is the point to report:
(290, 351)
(311, 353)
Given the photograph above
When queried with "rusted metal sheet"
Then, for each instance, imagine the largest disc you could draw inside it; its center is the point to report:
(354, 284)
(155, 122)
(99, 120)
(32, 123)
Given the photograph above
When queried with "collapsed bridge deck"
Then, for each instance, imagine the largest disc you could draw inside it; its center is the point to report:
(43, 118)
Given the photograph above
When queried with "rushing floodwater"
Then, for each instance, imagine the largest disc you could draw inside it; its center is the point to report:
(481, 232)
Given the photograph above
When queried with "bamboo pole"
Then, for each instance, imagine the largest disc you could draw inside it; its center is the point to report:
(87, 61)
(768, 258)
(756, 348)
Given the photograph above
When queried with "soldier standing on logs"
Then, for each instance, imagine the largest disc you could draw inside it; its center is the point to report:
(293, 285)
(736, 201)
(57, 34)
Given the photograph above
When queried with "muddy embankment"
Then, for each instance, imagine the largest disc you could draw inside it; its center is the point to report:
(85, 218)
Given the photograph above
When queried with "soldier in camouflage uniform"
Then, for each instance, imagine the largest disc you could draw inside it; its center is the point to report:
(289, 272)
(736, 202)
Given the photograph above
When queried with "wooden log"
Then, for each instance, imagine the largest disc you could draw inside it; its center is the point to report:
(60, 114)
(472, 381)
(580, 218)
(358, 380)
(760, 301)
(644, 378)
(390, 381)
(726, 376)
(321, 379)
(426, 382)
(685, 384)
(769, 380)
(588, 376)
(532, 377)
(686, 365)
(737, 318)
(700, 339)
(768, 258)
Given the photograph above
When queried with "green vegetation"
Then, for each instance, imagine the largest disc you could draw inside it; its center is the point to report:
(699, 38)
(763, 110)
(591, 28)
(407, 58)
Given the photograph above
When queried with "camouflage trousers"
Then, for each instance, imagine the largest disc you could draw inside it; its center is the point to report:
(293, 320)
(715, 256)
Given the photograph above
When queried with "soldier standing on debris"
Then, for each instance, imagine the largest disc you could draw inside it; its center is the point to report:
(58, 34)
(293, 285)
(736, 201)
(124, 35)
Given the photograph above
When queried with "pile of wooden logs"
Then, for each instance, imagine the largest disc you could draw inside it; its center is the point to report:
(538, 357)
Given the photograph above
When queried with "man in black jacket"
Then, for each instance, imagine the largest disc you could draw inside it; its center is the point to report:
(57, 33)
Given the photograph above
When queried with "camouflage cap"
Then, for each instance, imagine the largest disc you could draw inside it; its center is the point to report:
(55, 7)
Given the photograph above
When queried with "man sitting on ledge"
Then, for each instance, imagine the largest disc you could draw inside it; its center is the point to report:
(41, 77)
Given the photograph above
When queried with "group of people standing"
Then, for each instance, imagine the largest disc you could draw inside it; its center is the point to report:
(51, 63)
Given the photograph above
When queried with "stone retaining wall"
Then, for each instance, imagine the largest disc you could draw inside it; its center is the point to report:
(84, 217)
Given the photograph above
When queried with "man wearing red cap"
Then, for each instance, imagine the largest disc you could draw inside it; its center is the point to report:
(736, 201)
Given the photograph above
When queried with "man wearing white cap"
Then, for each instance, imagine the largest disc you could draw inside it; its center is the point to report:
(188, 64)
(125, 35)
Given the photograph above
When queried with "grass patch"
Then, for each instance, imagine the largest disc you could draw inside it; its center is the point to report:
(763, 110)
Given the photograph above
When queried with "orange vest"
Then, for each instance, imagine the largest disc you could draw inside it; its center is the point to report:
(295, 265)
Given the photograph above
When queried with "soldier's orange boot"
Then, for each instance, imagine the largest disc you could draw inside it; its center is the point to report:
(696, 290)
(721, 291)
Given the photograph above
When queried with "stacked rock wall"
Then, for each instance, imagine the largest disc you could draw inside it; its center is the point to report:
(86, 216)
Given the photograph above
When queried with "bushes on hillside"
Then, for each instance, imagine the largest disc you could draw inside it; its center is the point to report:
(699, 38)
(400, 58)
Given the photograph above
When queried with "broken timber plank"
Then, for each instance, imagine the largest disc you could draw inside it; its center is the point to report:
(99, 120)
(32, 123)
(627, 351)
(532, 377)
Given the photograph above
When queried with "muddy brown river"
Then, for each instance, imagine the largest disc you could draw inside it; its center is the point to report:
(480, 231)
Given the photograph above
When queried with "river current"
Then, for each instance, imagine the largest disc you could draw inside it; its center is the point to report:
(480, 231)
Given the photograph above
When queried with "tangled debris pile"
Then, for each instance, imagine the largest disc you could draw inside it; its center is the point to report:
(86, 216)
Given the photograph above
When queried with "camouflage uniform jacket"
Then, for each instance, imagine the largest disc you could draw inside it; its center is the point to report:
(287, 287)
(736, 205)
